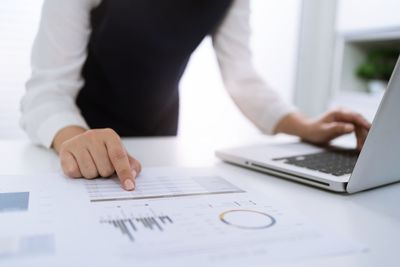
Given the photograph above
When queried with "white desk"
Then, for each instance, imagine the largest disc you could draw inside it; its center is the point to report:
(371, 217)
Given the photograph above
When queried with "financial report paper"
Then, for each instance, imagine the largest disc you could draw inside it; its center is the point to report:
(175, 217)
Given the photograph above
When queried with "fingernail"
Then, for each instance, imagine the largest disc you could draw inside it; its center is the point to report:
(134, 173)
(129, 185)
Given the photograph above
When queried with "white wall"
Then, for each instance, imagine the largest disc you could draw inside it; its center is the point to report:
(360, 15)
(316, 54)
(18, 25)
(275, 26)
(205, 106)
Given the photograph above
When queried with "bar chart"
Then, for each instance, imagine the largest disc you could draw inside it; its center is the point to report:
(129, 226)
(14, 201)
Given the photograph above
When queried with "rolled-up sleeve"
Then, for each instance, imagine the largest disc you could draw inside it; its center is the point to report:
(58, 54)
(258, 102)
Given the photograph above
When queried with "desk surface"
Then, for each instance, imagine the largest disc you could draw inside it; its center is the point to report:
(371, 217)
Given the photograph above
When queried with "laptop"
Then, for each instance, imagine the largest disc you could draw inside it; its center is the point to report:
(335, 168)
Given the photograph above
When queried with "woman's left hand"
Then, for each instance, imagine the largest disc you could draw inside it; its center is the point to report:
(329, 126)
(337, 123)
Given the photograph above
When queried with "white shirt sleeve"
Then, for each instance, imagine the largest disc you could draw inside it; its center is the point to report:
(261, 104)
(58, 54)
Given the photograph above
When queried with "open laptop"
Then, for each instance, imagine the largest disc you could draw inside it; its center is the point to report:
(335, 169)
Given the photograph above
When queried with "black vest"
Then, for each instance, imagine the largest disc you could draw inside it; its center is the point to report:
(137, 53)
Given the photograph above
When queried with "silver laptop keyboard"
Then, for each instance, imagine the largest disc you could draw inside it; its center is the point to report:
(335, 162)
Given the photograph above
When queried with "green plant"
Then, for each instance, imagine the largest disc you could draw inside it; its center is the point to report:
(379, 64)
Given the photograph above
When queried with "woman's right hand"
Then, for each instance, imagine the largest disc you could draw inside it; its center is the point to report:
(95, 153)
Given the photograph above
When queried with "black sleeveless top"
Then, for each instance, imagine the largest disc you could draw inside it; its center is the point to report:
(137, 53)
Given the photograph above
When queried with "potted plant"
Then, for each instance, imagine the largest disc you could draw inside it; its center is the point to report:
(378, 68)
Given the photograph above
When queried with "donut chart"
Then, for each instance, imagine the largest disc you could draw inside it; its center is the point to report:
(247, 219)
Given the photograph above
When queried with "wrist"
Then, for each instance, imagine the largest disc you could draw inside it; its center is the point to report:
(65, 134)
(294, 124)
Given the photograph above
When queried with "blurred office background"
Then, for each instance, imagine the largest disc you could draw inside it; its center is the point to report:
(315, 53)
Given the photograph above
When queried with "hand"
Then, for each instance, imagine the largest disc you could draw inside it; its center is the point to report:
(337, 123)
(330, 126)
(93, 153)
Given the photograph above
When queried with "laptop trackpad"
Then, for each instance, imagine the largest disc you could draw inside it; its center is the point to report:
(291, 149)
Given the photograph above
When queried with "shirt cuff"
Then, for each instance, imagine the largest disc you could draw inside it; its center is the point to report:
(274, 115)
(53, 124)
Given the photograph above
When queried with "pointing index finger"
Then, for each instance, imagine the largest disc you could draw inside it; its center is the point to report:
(120, 161)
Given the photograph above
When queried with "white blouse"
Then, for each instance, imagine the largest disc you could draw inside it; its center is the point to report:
(60, 50)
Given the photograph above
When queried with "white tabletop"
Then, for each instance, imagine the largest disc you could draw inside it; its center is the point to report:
(371, 217)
